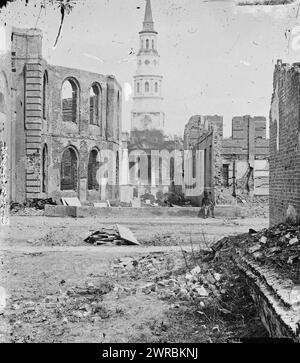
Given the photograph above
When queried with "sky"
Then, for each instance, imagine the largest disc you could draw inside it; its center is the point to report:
(216, 57)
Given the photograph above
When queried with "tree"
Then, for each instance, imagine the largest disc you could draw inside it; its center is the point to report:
(65, 7)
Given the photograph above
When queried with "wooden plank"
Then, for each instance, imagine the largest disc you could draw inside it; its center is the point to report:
(72, 202)
(127, 235)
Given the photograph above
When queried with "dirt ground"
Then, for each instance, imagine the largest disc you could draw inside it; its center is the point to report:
(59, 289)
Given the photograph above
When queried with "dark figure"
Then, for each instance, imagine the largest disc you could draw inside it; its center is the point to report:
(208, 205)
(212, 205)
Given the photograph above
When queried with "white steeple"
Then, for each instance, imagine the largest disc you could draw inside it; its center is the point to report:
(147, 112)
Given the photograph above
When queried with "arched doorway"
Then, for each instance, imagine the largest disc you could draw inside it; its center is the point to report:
(69, 170)
(93, 167)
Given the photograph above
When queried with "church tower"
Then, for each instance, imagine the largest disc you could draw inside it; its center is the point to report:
(147, 112)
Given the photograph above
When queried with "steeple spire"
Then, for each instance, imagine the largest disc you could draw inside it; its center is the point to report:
(148, 24)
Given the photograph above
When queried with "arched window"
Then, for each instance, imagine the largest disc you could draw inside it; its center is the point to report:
(147, 43)
(45, 95)
(156, 87)
(69, 174)
(93, 167)
(152, 44)
(138, 87)
(147, 87)
(70, 100)
(95, 104)
(45, 169)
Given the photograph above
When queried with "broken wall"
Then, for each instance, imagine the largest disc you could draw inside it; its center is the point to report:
(285, 142)
(249, 147)
(40, 127)
(205, 133)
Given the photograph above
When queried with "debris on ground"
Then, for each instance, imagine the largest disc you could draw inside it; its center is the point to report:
(250, 205)
(70, 306)
(118, 236)
(33, 207)
(279, 248)
(210, 295)
(161, 199)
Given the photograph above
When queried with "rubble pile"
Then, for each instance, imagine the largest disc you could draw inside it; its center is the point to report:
(251, 205)
(165, 200)
(279, 248)
(117, 236)
(203, 284)
(34, 207)
(206, 284)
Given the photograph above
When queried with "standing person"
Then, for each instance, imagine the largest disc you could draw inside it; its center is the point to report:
(212, 205)
(206, 205)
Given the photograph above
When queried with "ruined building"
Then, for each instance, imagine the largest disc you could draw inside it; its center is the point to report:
(62, 123)
(239, 163)
(285, 142)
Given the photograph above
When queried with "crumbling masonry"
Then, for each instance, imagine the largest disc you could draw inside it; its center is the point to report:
(240, 161)
(62, 121)
(285, 142)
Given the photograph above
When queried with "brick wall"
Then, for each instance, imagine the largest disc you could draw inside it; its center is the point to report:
(248, 146)
(285, 142)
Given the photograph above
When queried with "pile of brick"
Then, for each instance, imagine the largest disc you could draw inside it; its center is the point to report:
(117, 236)
(269, 262)
(33, 207)
(279, 248)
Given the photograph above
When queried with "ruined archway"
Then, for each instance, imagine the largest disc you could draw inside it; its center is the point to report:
(93, 166)
(69, 170)
(70, 100)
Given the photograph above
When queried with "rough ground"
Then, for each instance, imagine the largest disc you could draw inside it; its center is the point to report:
(61, 290)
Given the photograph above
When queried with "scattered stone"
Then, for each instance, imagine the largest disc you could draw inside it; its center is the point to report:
(275, 249)
(254, 248)
(263, 240)
(202, 292)
(258, 255)
(217, 276)
(293, 259)
(293, 241)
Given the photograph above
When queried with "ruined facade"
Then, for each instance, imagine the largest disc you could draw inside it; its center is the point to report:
(239, 162)
(204, 134)
(285, 142)
(64, 124)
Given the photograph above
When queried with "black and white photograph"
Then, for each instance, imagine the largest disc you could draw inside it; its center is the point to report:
(149, 174)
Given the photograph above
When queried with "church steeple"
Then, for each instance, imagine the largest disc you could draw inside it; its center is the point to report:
(148, 24)
(147, 111)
